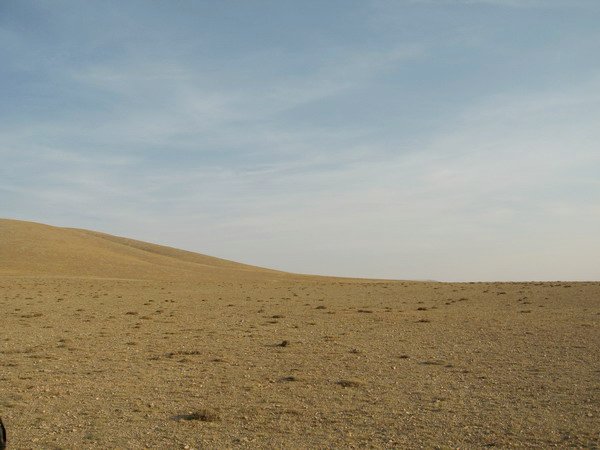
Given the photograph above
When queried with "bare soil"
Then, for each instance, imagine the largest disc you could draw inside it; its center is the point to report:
(265, 360)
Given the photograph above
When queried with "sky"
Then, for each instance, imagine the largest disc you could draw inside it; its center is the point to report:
(452, 140)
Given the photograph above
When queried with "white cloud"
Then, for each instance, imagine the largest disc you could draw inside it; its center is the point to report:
(510, 3)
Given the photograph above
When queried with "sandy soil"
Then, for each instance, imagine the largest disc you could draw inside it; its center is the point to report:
(245, 358)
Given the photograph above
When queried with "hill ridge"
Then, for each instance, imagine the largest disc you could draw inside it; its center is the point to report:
(31, 248)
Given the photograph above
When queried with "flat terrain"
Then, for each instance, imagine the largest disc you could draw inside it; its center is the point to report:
(168, 349)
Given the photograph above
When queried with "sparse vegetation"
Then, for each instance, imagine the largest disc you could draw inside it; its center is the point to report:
(202, 415)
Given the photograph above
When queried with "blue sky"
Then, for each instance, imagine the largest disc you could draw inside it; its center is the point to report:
(413, 139)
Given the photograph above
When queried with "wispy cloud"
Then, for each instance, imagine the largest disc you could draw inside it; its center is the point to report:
(511, 3)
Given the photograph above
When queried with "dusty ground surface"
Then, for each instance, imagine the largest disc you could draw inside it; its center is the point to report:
(265, 360)
(314, 363)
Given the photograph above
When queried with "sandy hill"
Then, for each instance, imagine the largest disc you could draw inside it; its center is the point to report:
(28, 248)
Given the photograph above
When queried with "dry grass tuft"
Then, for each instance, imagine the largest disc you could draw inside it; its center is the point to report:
(202, 415)
(349, 383)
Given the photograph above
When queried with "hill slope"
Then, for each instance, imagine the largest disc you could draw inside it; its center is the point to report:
(28, 248)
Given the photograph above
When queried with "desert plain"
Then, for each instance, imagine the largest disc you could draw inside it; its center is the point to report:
(107, 342)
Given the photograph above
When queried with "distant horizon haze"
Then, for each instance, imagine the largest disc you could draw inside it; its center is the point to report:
(28, 232)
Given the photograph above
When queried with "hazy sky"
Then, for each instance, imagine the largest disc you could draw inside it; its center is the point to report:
(427, 139)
